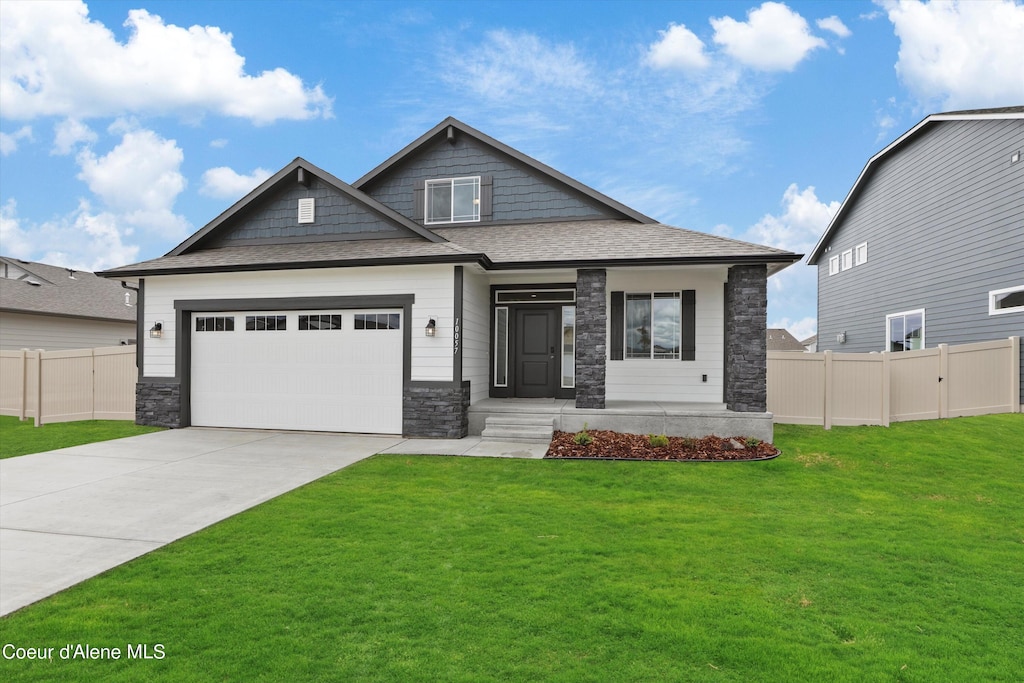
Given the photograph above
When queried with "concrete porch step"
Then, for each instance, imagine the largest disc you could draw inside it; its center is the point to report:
(528, 429)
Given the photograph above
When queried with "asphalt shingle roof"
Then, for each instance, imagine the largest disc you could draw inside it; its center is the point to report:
(537, 245)
(84, 296)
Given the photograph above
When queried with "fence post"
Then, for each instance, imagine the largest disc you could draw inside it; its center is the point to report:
(1015, 402)
(92, 377)
(886, 388)
(24, 386)
(943, 381)
(39, 388)
(828, 390)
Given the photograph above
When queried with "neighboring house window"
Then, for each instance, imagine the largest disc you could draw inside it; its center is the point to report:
(860, 256)
(377, 321)
(833, 265)
(847, 262)
(265, 323)
(652, 325)
(215, 324)
(320, 322)
(905, 331)
(1010, 300)
(454, 200)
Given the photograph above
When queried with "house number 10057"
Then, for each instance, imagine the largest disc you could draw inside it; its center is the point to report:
(458, 328)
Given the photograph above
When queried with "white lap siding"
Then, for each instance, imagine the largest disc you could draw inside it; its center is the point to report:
(674, 380)
(433, 287)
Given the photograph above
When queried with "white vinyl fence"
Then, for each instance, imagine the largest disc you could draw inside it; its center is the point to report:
(878, 388)
(82, 384)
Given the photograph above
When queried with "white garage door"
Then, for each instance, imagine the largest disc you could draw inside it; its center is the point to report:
(306, 370)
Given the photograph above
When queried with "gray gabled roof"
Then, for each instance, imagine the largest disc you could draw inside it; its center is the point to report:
(457, 126)
(572, 244)
(289, 173)
(998, 113)
(57, 293)
(779, 339)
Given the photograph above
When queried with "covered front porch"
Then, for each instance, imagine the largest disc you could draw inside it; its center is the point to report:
(633, 417)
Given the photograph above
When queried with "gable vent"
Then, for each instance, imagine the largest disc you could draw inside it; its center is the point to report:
(306, 210)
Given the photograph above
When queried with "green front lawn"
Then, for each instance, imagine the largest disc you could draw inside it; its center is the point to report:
(22, 438)
(860, 554)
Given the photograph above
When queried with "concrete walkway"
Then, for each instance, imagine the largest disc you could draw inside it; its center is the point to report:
(71, 514)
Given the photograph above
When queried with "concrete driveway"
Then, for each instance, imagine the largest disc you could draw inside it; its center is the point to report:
(68, 515)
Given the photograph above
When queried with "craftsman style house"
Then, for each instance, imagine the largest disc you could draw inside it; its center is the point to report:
(459, 271)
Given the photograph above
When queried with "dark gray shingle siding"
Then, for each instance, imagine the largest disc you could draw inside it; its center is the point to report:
(944, 222)
(518, 195)
(275, 217)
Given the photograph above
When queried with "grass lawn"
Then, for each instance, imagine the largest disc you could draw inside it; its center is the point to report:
(860, 554)
(21, 438)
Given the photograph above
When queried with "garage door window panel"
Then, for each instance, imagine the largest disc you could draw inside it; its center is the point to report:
(377, 321)
(266, 323)
(320, 321)
(215, 324)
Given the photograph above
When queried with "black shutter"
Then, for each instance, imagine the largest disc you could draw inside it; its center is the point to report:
(486, 197)
(688, 346)
(618, 324)
(417, 199)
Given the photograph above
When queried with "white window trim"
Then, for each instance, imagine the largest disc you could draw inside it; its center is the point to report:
(847, 261)
(451, 219)
(992, 310)
(858, 250)
(924, 327)
(833, 265)
(625, 340)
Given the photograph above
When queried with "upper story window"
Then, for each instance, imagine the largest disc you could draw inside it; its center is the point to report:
(833, 265)
(847, 259)
(453, 200)
(1010, 300)
(860, 254)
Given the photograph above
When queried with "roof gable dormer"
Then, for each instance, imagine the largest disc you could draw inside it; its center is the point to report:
(513, 187)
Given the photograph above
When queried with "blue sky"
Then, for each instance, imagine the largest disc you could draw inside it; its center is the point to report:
(126, 126)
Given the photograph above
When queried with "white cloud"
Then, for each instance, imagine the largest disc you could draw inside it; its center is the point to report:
(139, 180)
(834, 25)
(68, 134)
(797, 228)
(678, 48)
(54, 60)
(509, 65)
(961, 55)
(774, 38)
(85, 240)
(225, 183)
(219, 143)
(9, 141)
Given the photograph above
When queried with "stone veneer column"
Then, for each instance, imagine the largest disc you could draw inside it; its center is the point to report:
(746, 322)
(158, 404)
(439, 410)
(591, 337)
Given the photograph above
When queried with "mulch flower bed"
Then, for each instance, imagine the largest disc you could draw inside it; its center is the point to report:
(615, 445)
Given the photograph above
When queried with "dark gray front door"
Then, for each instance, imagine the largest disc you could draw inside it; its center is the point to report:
(536, 352)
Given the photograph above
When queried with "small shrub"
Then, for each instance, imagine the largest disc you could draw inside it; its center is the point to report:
(658, 441)
(582, 437)
(688, 443)
(751, 442)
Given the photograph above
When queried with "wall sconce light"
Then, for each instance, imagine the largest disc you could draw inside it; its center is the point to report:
(431, 328)
(156, 331)
(841, 337)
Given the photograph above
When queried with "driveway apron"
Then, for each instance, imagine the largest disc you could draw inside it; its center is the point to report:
(71, 514)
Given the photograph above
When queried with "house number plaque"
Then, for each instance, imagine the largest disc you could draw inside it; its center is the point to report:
(457, 336)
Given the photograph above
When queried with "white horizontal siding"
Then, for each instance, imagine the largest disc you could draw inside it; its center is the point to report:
(433, 287)
(54, 333)
(674, 380)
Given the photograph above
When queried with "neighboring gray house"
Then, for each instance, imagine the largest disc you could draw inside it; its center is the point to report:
(781, 340)
(810, 344)
(458, 271)
(928, 246)
(52, 308)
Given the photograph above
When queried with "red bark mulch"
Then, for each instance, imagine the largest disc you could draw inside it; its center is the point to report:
(616, 445)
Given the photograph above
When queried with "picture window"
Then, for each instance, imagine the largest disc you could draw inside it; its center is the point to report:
(653, 325)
